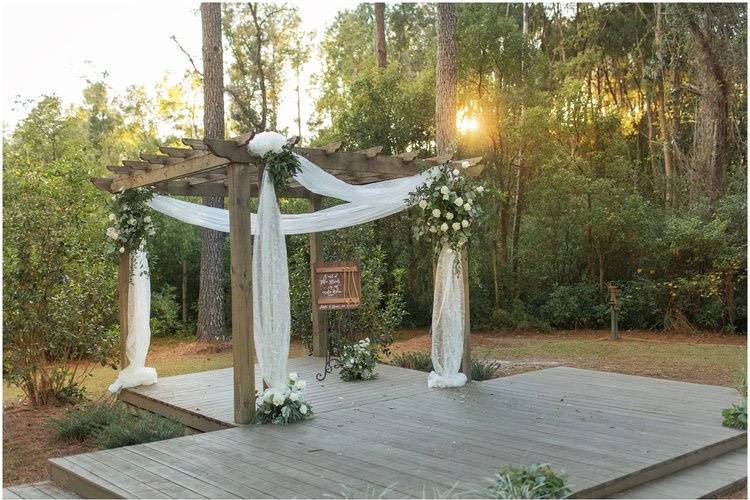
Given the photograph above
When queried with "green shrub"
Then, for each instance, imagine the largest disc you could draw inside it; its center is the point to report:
(110, 425)
(136, 429)
(576, 306)
(165, 312)
(736, 416)
(86, 420)
(516, 318)
(416, 360)
(484, 370)
(534, 481)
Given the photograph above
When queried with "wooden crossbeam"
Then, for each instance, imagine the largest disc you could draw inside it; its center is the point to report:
(178, 152)
(119, 169)
(159, 159)
(195, 144)
(136, 165)
(202, 162)
(370, 152)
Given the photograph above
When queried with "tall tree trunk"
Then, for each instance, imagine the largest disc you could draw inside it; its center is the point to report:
(516, 231)
(211, 324)
(446, 78)
(380, 34)
(666, 140)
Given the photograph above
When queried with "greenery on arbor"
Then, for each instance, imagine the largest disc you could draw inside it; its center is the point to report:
(613, 139)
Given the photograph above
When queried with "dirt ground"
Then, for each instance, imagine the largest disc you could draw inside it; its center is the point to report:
(705, 358)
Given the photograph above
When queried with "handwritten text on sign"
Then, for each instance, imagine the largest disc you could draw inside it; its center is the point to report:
(337, 285)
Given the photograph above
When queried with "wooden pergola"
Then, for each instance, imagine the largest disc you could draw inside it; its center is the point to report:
(216, 167)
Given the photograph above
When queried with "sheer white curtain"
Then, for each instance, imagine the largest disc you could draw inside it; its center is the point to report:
(270, 273)
(447, 322)
(139, 328)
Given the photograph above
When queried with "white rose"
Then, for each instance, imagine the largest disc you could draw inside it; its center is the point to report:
(267, 395)
(456, 226)
(131, 221)
(112, 217)
(459, 201)
(449, 215)
(433, 229)
(445, 197)
(294, 396)
(293, 376)
(465, 223)
(480, 189)
(467, 207)
(278, 399)
(122, 249)
(422, 204)
(303, 409)
(444, 227)
(147, 218)
(455, 171)
(300, 385)
(435, 212)
(151, 232)
(112, 233)
(445, 190)
(266, 141)
(465, 164)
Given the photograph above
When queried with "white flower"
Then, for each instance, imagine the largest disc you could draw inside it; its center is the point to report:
(151, 232)
(303, 409)
(459, 201)
(445, 197)
(435, 212)
(465, 223)
(294, 396)
(445, 190)
(147, 218)
(112, 233)
(278, 399)
(300, 385)
(112, 217)
(131, 221)
(467, 207)
(423, 204)
(293, 376)
(266, 141)
(480, 189)
(433, 229)
(456, 226)
(267, 395)
(455, 171)
(449, 215)
(285, 412)
(122, 249)
(465, 164)
(444, 227)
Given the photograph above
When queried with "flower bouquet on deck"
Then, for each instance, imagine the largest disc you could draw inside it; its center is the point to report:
(283, 405)
(358, 361)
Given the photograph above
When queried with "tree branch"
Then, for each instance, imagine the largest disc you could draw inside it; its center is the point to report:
(184, 51)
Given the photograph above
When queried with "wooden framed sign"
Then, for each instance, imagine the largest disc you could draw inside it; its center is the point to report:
(337, 285)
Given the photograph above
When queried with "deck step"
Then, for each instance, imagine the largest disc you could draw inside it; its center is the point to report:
(710, 479)
(45, 489)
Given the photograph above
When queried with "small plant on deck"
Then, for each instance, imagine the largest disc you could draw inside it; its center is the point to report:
(285, 405)
(534, 481)
(416, 360)
(736, 415)
(358, 361)
(484, 370)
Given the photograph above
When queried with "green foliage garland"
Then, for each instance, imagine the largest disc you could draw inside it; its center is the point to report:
(281, 165)
(130, 222)
(448, 209)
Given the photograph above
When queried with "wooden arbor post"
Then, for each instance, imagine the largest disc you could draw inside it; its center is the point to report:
(319, 330)
(123, 285)
(240, 243)
(466, 359)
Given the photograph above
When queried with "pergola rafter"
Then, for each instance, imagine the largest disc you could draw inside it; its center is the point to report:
(225, 168)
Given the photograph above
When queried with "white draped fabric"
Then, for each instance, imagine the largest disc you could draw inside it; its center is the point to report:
(139, 328)
(447, 322)
(271, 307)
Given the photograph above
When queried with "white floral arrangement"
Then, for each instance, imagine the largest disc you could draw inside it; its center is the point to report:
(283, 405)
(358, 361)
(448, 208)
(276, 156)
(130, 222)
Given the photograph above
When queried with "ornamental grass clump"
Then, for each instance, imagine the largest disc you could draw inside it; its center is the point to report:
(416, 360)
(534, 481)
(736, 415)
(484, 370)
(284, 405)
(358, 361)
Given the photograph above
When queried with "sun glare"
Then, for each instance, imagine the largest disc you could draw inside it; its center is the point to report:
(466, 124)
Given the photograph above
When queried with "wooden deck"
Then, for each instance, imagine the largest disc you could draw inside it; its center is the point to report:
(393, 437)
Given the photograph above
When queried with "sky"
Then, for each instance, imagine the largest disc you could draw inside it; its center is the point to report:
(53, 47)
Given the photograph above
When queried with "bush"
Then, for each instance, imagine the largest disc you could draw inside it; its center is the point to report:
(484, 370)
(576, 306)
(110, 425)
(534, 481)
(416, 360)
(165, 312)
(736, 416)
(516, 318)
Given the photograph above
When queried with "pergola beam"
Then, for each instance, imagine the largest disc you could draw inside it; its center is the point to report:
(202, 162)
